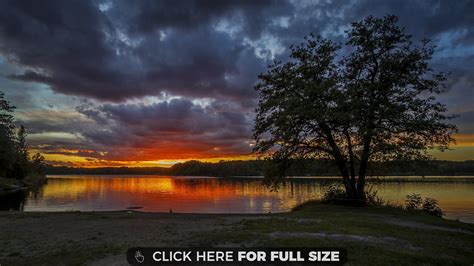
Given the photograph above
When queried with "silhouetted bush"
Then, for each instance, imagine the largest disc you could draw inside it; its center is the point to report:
(430, 206)
(372, 198)
(334, 193)
(414, 202)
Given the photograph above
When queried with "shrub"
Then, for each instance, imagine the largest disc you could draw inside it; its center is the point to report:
(414, 202)
(333, 193)
(430, 206)
(337, 194)
(371, 197)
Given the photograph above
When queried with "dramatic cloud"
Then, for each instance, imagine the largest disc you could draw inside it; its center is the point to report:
(148, 80)
(169, 130)
(114, 51)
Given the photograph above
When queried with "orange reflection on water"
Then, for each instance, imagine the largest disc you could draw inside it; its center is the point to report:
(158, 193)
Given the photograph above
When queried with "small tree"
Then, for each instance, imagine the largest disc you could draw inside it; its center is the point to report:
(22, 143)
(6, 110)
(374, 103)
(21, 166)
(38, 164)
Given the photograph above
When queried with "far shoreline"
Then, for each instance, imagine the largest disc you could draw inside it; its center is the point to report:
(370, 179)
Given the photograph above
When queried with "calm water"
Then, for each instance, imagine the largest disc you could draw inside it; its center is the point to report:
(214, 195)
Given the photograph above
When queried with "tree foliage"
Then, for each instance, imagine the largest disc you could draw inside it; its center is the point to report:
(368, 100)
(14, 151)
(7, 144)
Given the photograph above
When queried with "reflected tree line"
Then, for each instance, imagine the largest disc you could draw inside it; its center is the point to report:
(16, 201)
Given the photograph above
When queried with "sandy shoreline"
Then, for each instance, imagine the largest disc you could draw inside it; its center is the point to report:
(31, 234)
(102, 238)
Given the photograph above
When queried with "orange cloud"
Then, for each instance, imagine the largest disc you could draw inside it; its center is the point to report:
(464, 140)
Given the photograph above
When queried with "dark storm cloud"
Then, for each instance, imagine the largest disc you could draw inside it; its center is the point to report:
(116, 50)
(131, 51)
(188, 15)
(424, 18)
(61, 43)
(177, 123)
(177, 116)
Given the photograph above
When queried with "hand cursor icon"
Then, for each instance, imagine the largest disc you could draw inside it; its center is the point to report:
(139, 257)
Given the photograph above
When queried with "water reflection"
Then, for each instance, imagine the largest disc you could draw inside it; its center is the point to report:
(12, 200)
(455, 199)
(214, 195)
(16, 200)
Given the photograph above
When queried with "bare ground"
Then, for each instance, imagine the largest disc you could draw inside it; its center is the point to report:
(33, 236)
(102, 238)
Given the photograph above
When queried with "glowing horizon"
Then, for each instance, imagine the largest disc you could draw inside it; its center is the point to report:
(461, 151)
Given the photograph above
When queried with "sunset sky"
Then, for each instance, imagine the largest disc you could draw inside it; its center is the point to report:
(151, 83)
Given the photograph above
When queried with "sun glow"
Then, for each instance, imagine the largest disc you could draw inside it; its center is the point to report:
(463, 149)
(78, 161)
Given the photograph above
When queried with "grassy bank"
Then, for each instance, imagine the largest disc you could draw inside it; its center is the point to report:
(429, 179)
(371, 235)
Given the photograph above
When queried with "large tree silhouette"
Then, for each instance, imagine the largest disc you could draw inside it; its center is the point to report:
(371, 99)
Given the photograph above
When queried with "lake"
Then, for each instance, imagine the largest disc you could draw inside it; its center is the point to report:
(215, 195)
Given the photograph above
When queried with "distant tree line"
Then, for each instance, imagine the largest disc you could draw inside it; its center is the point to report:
(66, 170)
(298, 168)
(15, 159)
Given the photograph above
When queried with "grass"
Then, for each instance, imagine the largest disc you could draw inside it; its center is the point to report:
(451, 179)
(433, 240)
(371, 235)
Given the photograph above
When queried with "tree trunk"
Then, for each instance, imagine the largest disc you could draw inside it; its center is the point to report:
(351, 191)
(364, 160)
(360, 195)
(361, 190)
(341, 163)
